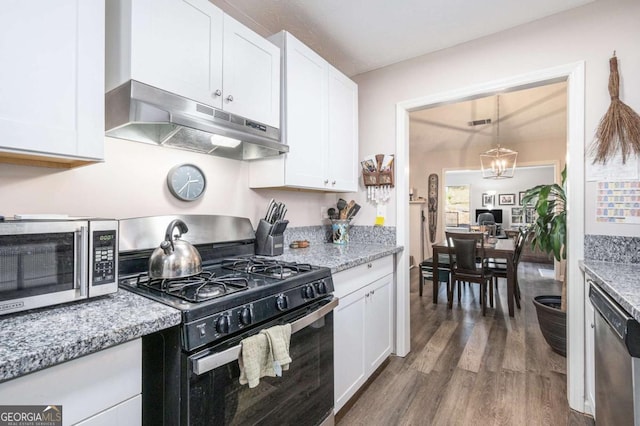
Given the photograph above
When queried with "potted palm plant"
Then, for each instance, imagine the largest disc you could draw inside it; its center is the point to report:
(549, 234)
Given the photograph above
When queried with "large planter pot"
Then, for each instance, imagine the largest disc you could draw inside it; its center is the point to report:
(553, 322)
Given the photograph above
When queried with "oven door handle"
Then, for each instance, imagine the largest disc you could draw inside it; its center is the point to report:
(203, 365)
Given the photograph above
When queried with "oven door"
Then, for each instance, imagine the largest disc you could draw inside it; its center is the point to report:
(42, 264)
(302, 396)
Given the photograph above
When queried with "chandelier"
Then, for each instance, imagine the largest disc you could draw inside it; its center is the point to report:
(498, 163)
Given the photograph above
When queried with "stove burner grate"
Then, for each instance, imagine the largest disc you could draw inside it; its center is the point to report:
(196, 288)
(266, 267)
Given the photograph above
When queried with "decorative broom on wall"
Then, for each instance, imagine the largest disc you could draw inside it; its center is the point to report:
(619, 128)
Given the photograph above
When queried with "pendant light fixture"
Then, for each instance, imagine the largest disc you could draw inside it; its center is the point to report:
(498, 163)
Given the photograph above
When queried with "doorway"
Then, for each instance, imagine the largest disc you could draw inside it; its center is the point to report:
(452, 137)
(574, 75)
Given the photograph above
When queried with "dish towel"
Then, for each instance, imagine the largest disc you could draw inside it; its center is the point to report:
(265, 354)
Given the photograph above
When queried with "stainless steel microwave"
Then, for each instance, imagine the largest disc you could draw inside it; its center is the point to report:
(47, 262)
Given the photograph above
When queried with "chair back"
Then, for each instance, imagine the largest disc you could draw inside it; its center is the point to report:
(486, 219)
(523, 235)
(467, 252)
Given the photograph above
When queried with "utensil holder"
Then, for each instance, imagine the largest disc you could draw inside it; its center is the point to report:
(379, 177)
(270, 238)
(340, 231)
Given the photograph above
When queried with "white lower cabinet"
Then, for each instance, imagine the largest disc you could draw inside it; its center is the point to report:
(103, 388)
(363, 325)
(127, 413)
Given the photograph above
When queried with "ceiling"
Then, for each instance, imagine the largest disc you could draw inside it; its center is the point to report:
(361, 35)
(530, 116)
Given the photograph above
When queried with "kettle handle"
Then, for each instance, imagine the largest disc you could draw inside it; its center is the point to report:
(182, 227)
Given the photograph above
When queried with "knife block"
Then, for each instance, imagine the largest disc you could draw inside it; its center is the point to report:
(270, 238)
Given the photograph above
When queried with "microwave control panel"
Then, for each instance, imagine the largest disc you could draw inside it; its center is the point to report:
(104, 250)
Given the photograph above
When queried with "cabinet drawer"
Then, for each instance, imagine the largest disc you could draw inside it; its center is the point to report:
(350, 280)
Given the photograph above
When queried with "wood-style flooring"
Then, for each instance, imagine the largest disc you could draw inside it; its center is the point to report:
(466, 369)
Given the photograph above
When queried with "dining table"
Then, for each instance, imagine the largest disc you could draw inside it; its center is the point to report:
(498, 249)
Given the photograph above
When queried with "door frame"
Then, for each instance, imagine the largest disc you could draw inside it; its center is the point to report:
(574, 74)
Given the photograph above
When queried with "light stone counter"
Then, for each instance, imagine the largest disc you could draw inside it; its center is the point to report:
(37, 339)
(34, 340)
(620, 280)
(339, 257)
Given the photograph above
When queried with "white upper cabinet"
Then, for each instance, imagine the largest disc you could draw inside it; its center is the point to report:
(251, 74)
(343, 132)
(191, 48)
(176, 46)
(319, 123)
(52, 73)
(305, 115)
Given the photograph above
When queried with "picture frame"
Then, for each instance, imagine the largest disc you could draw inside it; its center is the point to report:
(488, 199)
(530, 214)
(520, 197)
(517, 215)
(507, 199)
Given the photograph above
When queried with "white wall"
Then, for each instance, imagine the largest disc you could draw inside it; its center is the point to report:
(132, 182)
(589, 33)
(582, 38)
(523, 179)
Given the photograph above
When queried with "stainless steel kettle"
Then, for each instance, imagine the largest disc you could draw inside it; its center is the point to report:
(175, 258)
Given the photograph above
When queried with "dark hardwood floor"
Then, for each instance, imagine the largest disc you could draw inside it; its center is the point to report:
(466, 369)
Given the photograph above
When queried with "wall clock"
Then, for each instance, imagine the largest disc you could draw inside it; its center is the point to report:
(186, 182)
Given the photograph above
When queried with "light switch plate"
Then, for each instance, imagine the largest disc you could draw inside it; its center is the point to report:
(381, 213)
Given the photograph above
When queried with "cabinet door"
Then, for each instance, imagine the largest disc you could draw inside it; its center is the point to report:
(349, 346)
(83, 386)
(343, 132)
(52, 73)
(306, 116)
(127, 413)
(177, 46)
(251, 74)
(379, 322)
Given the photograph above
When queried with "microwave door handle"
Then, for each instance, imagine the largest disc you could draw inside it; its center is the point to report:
(81, 272)
(208, 363)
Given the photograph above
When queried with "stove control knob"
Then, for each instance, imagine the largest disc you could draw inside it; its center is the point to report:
(246, 315)
(222, 324)
(309, 292)
(322, 287)
(282, 302)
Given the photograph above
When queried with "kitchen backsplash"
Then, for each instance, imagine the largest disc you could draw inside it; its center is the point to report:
(357, 234)
(610, 248)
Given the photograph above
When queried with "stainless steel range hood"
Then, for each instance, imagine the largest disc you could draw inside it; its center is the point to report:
(142, 113)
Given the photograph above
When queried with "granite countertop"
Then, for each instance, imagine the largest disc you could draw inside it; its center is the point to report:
(339, 257)
(619, 280)
(33, 340)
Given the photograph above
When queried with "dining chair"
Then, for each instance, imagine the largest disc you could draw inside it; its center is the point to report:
(444, 270)
(469, 264)
(486, 219)
(499, 266)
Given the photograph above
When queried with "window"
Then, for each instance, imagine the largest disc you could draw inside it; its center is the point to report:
(456, 205)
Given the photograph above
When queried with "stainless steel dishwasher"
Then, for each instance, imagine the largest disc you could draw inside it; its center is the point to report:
(617, 362)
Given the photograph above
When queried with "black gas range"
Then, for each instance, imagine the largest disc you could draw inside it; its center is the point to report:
(191, 370)
(233, 294)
